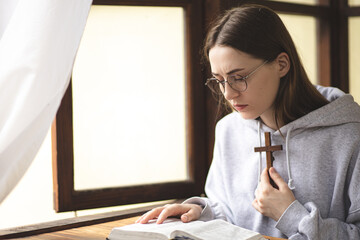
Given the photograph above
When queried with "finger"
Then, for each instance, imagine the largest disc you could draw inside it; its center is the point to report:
(256, 205)
(193, 214)
(264, 178)
(257, 190)
(151, 215)
(277, 178)
(141, 217)
(167, 212)
(146, 217)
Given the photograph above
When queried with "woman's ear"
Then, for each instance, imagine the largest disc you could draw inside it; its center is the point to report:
(283, 63)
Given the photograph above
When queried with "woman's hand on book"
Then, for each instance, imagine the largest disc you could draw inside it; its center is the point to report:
(187, 213)
(270, 201)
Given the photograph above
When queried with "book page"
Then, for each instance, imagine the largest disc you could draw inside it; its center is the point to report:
(215, 230)
(120, 234)
(149, 230)
(174, 229)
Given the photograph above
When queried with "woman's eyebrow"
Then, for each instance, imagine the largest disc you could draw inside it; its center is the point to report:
(231, 72)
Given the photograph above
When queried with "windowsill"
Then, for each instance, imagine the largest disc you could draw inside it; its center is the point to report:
(58, 225)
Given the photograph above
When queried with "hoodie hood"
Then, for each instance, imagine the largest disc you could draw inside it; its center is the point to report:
(342, 109)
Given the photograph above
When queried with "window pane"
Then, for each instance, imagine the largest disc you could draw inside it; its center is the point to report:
(354, 55)
(354, 2)
(129, 98)
(303, 32)
(308, 2)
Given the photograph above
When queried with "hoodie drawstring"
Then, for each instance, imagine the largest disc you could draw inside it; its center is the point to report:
(260, 157)
(290, 182)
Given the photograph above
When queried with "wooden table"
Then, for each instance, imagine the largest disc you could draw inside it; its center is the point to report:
(93, 232)
(90, 232)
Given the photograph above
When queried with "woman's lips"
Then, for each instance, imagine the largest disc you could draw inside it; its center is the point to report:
(240, 107)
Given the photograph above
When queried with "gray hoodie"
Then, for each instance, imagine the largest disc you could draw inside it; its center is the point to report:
(320, 161)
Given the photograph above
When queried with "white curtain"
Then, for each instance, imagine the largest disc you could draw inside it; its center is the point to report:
(38, 43)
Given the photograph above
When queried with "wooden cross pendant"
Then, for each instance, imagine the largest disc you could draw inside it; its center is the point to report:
(269, 157)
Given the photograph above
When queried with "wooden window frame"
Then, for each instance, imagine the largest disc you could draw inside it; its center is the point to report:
(66, 198)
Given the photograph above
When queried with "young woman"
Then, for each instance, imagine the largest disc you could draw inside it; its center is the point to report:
(257, 71)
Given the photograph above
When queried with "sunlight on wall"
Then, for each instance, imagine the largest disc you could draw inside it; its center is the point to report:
(354, 56)
(303, 32)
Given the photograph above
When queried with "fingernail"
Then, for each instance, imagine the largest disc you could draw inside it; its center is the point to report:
(272, 170)
(185, 218)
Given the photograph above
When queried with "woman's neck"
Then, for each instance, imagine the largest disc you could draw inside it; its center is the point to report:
(270, 121)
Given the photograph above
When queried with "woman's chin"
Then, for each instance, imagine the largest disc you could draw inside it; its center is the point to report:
(248, 116)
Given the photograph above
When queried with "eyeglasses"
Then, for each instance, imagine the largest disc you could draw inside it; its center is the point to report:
(236, 82)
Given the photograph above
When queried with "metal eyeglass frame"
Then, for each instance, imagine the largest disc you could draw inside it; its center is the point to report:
(241, 79)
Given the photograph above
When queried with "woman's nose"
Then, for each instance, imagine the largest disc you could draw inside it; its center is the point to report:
(229, 92)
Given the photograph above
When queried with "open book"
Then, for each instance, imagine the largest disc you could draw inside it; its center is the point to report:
(177, 230)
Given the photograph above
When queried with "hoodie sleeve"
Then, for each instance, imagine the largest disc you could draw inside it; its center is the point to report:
(215, 205)
(302, 222)
(305, 221)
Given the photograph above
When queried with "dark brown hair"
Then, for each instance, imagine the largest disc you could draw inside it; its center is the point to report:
(259, 31)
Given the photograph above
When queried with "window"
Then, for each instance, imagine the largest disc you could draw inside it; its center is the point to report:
(309, 2)
(303, 32)
(130, 126)
(132, 100)
(354, 3)
(354, 47)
